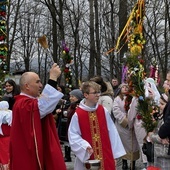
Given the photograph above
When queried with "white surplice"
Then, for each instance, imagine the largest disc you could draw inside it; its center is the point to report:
(79, 145)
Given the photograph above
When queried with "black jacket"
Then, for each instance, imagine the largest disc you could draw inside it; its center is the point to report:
(164, 131)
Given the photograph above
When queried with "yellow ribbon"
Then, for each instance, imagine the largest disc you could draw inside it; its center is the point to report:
(4, 48)
(2, 31)
(127, 28)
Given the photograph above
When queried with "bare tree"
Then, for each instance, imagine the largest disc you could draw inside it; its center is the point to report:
(56, 10)
(97, 33)
(92, 41)
(91, 28)
(75, 12)
(157, 35)
(12, 20)
(122, 22)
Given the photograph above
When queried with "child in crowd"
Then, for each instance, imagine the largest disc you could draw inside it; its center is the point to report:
(105, 98)
(5, 126)
(92, 133)
(76, 96)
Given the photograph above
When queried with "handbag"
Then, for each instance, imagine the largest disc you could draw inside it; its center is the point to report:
(148, 150)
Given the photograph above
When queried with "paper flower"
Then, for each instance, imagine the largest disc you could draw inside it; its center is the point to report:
(68, 61)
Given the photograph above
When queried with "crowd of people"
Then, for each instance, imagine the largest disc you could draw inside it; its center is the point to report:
(94, 121)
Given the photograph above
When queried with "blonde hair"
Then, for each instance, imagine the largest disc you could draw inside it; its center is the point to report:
(90, 84)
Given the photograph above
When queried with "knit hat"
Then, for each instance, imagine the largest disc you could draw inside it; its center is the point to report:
(123, 84)
(77, 93)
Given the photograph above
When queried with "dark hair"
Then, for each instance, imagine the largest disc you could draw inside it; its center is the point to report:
(62, 88)
(99, 80)
(16, 88)
(163, 98)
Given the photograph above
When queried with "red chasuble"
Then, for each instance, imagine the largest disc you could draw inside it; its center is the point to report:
(94, 130)
(34, 142)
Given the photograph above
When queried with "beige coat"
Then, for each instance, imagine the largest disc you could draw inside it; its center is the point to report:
(136, 122)
(127, 133)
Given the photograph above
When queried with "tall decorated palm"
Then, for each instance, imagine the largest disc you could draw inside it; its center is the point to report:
(133, 71)
(3, 44)
(68, 61)
(135, 63)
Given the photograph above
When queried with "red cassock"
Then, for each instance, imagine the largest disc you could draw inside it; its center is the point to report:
(34, 143)
(4, 144)
(94, 130)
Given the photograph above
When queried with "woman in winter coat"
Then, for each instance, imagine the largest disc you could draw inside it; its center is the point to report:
(121, 107)
(11, 90)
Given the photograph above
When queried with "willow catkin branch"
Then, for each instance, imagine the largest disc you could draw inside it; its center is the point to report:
(43, 41)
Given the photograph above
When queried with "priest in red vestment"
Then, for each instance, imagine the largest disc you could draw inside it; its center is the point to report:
(34, 143)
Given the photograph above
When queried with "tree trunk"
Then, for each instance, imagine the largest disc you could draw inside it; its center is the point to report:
(98, 56)
(122, 22)
(92, 42)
